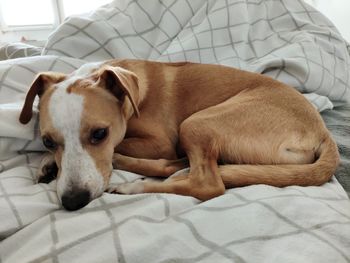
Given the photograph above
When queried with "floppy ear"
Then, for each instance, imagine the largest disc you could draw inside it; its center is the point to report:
(41, 83)
(121, 83)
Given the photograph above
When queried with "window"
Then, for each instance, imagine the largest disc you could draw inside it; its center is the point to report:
(72, 7)
(16, 13)
(35, 19)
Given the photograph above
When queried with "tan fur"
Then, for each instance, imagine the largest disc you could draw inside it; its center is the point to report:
(261, 130)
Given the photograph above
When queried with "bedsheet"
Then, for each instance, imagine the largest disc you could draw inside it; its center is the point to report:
(287, 40)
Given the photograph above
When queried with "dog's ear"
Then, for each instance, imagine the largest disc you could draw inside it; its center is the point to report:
(40, 84)
(121, 83)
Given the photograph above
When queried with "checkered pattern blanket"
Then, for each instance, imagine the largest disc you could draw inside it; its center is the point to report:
(285, 39)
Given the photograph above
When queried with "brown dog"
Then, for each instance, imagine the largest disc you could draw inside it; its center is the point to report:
(235, 128)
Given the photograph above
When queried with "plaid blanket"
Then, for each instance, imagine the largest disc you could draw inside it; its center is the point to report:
(285, 39)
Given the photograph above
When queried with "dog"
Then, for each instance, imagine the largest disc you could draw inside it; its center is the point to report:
(231, 127)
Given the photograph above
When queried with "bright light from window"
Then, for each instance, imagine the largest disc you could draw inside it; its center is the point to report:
(27, 12)
(73, 7)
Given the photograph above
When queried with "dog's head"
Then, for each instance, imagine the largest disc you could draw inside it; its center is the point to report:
(83, 118)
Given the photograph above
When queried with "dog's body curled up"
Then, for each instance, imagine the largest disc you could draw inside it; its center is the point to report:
(233, 128)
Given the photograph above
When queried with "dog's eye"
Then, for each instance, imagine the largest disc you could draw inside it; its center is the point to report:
(49, 143)
(98, 135)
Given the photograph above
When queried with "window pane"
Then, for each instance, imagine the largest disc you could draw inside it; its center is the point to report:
(72, 7)
(27, 12)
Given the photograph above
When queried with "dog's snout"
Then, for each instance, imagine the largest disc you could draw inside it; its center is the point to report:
(76, 199)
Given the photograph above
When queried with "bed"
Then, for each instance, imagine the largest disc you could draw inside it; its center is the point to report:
(287, 40)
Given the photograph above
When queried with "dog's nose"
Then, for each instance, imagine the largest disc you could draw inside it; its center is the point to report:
(76, 199)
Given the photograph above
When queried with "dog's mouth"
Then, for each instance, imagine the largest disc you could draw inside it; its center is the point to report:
(79, 194)
(77, 198)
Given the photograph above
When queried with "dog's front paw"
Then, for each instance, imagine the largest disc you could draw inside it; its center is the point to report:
(47, 171)
(135, 187)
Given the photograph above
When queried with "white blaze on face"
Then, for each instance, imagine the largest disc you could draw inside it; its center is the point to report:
(78, 169)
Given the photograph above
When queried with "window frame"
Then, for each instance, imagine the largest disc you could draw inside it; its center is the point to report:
(32, 32)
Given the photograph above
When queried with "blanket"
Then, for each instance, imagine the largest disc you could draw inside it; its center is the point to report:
(338, 122)
(287, 40)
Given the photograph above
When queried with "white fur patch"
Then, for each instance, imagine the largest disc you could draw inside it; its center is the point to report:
(78, 169)
(136, 187)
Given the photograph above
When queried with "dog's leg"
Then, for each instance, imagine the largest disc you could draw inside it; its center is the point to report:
(147, 148)
(149, 167)
(47, 170)
(203, 181)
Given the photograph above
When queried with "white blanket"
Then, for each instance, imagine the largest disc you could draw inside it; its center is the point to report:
(286, 39)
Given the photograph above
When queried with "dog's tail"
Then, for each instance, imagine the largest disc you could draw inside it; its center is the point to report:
(281, 175)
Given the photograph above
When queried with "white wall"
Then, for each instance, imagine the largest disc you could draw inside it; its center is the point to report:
(338, 11)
